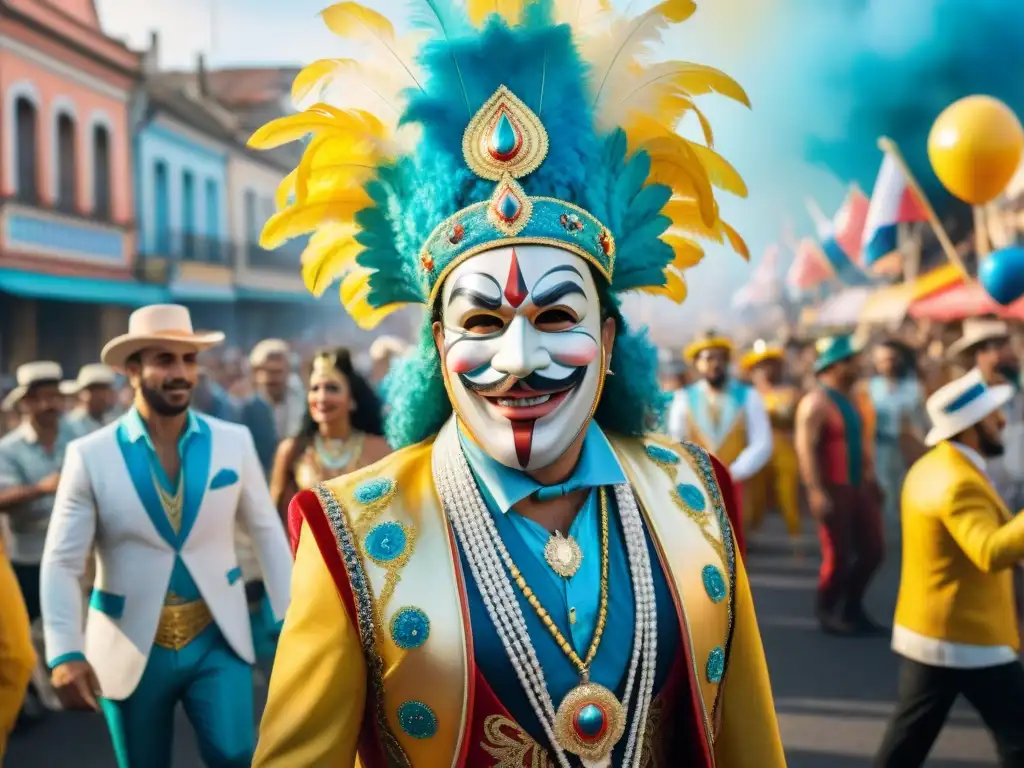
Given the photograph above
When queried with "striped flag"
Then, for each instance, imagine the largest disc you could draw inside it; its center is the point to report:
(840, 236)
(894, 201)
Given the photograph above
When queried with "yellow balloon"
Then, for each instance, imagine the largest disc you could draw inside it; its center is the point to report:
(975, 147)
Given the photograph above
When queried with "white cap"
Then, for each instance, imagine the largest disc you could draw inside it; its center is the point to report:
(90, 375)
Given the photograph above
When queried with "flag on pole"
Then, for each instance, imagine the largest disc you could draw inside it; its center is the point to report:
(893, 202)
(841, 236)
(810, 267)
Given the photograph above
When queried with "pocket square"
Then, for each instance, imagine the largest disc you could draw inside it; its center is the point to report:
(223, 479)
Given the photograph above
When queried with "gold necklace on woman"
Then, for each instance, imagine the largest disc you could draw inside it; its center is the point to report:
(171, 502)
(590, 715)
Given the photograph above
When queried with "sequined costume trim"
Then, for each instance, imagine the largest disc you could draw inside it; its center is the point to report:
(367, 619)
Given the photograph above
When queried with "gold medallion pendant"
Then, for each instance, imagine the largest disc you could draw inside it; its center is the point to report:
(563, 554)
(589, 723)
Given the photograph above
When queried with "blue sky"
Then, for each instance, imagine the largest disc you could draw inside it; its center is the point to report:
(729, 34)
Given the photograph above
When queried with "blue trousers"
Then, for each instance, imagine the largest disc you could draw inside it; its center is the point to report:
(214, 687)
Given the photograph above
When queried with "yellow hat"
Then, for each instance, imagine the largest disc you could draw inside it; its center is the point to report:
(759, 353)
(709, 340)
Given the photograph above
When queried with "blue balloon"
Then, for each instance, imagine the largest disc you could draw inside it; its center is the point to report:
(1002, 275)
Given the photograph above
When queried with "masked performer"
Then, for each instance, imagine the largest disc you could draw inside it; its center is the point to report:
(724, 416)
(533, 579)
(779, 481)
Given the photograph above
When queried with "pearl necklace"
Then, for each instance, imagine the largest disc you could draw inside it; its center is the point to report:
(488, 561)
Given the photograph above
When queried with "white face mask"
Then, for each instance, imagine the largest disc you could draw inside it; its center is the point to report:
(522, 340)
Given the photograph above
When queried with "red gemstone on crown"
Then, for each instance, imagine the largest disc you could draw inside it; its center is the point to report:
(427, 262)
(606, 242)
(456, 233)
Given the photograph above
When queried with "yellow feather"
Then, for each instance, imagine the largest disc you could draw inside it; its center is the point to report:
(318, 119)
(298, 220)
(357, 22)
(290, 128)
(332, 250)
(691, 80)
(285, 190)
(631, 40)
(688, 253)
(479, 10)
(675, 164)
(311, 78)
(674, 289)
(686, 217)
(720, 172)
(738, 243)
(355, 288)
(334, 163)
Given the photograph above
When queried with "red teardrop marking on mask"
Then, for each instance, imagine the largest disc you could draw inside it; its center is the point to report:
(522, 437)
(515, 285)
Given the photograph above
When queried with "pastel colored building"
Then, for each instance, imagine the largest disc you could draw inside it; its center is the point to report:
(67, 248)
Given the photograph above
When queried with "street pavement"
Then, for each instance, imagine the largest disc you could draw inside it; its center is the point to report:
(833, 695)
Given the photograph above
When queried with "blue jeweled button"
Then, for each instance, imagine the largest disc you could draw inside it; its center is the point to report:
(589, 722)
(714, 583)
(385, 542)
(503, 137)
(373, 490)
(691, 496)
(410, 628)
(509, 207)
(417, 719)
(715, 667)
(662, 455)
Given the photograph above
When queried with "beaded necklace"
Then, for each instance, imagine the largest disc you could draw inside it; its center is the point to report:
(589, 720)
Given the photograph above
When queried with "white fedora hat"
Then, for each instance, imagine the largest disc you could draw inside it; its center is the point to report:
(27, 376)
(978, 330)
(91, 375)
(158, 325)
(961, 404)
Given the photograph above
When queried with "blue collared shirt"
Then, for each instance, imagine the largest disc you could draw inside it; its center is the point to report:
(135, 429)
(133, 436)
(503, 487)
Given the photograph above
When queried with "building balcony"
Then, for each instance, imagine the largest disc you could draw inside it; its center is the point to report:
(287, 258)
(185, 247)
(33, 233)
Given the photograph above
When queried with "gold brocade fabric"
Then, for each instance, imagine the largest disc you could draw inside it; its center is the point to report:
(181, 622)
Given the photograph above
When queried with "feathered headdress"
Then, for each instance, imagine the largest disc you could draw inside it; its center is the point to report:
(499, 122)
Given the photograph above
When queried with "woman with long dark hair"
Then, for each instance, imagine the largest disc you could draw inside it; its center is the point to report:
(341, 431)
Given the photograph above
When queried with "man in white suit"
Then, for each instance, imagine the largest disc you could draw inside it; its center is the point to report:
(158, 493)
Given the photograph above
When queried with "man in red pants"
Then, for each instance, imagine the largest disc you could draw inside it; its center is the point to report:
(834, 435)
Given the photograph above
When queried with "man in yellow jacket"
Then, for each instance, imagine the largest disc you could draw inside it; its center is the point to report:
(957, 620)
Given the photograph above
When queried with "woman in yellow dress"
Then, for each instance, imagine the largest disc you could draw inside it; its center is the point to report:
(342, 430)
(778, 484)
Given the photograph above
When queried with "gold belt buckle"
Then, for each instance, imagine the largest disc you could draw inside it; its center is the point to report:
(180, 623)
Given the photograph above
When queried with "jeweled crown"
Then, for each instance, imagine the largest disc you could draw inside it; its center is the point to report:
(506, 141)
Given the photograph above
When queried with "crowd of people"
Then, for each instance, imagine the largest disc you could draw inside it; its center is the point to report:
(309, 420)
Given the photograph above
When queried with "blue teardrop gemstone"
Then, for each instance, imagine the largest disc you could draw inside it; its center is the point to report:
(509, 207)
(590, 721)
(504, 137)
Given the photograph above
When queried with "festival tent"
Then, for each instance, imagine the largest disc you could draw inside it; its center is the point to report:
(963, 300)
